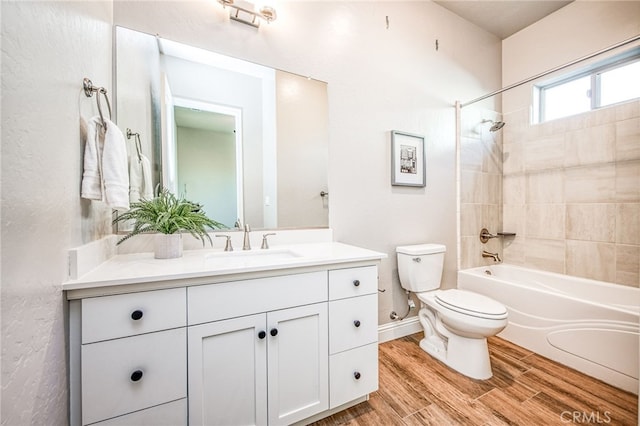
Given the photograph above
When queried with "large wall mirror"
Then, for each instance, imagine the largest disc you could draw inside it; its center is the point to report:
(248, 142)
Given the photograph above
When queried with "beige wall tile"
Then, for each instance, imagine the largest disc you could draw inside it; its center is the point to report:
(513, 158)
(591, 145)
(545, 187)
(491, 188)
(492, 155)
(470, 252)
(470, 187)
(628, 110)
(492, 217)
(513, 189)
(513, 250)
(470, 219)
(628, 181)
(544, 153)
(548, 255)
(596, 184)
(513, 219)
(628, 223)
(545, 221)
(628, 265)
(470, 154)
(591, 222)
(628, 140)
(591, 260)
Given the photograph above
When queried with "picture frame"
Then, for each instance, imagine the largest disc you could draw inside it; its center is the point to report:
(408, 159)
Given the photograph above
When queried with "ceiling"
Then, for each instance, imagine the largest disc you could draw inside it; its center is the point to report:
(502, 18)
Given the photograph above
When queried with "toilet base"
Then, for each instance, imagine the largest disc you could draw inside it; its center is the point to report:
(465, 355)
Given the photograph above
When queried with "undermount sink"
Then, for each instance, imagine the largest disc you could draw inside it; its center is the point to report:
(249, 257)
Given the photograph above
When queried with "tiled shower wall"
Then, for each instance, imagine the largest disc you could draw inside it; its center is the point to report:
(571, 192)
(480, 185)
(569, 189)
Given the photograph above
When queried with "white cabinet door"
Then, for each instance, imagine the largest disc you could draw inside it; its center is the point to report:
(298, 363)
(228, 372)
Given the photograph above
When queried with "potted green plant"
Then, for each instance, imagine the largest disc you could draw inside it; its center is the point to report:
(167, 215)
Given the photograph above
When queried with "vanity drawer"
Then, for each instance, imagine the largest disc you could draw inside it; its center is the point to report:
(216, 302)
(353, 374)
(169, 414)
(133, 373)
(122, 315)
(353, 322)
(352, 282)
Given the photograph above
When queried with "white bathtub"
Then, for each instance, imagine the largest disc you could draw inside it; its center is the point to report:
(588, 325)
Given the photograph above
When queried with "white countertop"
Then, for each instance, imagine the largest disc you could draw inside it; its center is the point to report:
(142, 268)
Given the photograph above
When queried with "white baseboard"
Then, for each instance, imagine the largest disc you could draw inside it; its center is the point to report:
(395, 330)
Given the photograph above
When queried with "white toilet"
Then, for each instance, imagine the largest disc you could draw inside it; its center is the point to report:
(456, 322)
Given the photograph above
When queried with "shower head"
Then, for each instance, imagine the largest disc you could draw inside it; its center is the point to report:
(497, 125)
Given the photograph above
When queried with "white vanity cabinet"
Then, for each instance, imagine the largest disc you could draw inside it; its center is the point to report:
(269, 365)
(273, 347)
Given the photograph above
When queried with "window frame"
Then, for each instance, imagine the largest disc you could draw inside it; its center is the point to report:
(595, 91)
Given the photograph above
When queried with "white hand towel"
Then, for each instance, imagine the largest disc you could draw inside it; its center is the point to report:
(115, 172)
(140, 185)
(92, 174)
(147, 184)
(135, 178)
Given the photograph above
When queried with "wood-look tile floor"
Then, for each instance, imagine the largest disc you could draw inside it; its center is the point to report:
(526, 389)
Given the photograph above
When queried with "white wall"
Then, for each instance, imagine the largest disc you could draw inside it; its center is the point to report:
(47, 49)
(379, 80)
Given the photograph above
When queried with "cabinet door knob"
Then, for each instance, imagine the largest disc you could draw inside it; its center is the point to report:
(262, 334)
(136, 375)
(356, 283)
(356, 323)
(356, 375)
(274, 332)
(136, 315)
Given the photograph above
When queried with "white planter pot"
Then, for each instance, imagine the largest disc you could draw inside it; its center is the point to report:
(167, 246)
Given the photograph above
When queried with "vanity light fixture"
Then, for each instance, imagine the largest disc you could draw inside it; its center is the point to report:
(248, 13)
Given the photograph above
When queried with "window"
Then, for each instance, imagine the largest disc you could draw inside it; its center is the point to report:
(616, 80)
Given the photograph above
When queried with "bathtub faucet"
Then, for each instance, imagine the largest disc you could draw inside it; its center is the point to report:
(495, 256)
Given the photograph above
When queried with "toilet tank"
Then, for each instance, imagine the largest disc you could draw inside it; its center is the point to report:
(420, 266)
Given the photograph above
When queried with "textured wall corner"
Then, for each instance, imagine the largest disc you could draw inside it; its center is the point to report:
(47, 49)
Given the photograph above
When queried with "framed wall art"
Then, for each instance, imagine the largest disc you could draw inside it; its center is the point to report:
(407, 159)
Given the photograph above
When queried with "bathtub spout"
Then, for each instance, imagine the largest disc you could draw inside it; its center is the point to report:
(495, 256)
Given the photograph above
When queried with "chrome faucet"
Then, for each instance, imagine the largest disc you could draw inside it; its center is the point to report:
(246, 245)
(265, 243)
(495, 256)
(227, 246)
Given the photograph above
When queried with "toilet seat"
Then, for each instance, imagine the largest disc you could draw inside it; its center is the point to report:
(469, 303)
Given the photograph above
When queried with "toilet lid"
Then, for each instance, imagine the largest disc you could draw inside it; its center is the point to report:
(470, 303)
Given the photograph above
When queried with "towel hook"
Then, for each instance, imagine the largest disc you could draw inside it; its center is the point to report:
(137, 141)
(89, 88)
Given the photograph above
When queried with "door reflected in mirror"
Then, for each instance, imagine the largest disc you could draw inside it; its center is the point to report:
(248, 142)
